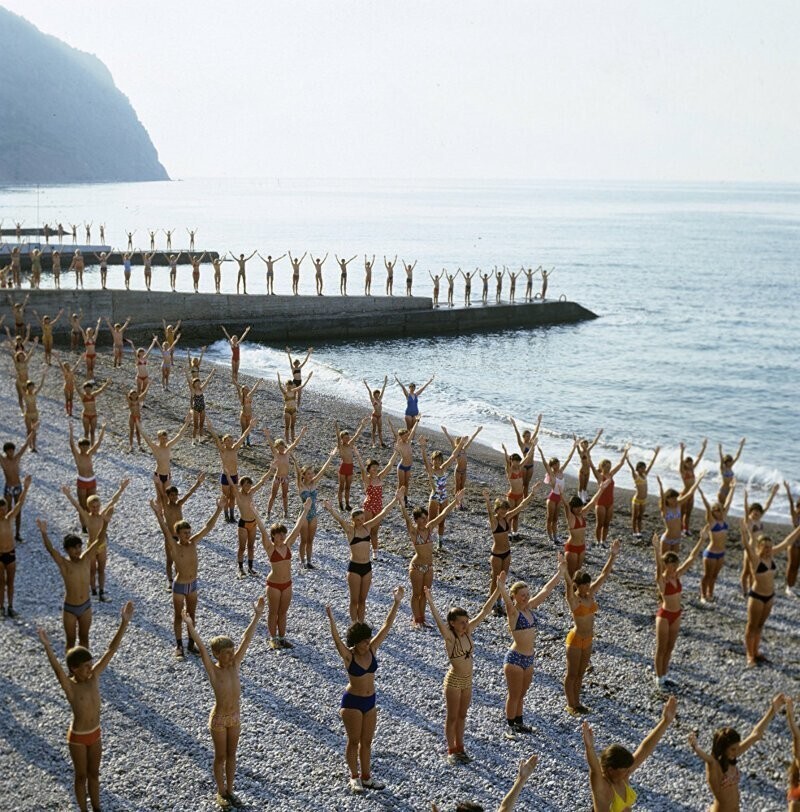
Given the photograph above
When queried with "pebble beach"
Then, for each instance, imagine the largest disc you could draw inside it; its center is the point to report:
(157, 751)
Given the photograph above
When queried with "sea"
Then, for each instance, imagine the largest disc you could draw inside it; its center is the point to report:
(694, 286)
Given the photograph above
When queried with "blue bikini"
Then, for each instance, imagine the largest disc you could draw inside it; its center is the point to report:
(360, 703)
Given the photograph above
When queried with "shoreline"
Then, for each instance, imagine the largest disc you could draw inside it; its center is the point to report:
(293, 696)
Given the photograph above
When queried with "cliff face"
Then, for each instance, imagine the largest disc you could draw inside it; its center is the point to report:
(62, 119)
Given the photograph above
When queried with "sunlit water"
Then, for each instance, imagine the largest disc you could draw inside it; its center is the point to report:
(695, 287)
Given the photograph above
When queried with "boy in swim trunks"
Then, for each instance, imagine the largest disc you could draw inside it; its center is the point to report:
(345, 443)
(75, 570)
(12, 490)
(135, 400)
(172, 509)
(8, 555)
(82, 689)
(281, 454)
(403, 439)
(183, 547)
(83, 453)
(162, 451)
(223, 723)
(639, 498)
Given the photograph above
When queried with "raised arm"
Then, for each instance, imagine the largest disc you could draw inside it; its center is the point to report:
(344, 652)
(683, 568)
(524, 772)
(761, 727)
(690, 492)
(428, 382)
(701, 452)
(544, 593)
(247, 637)
(652, 738)
(294, 533)
(209, 525)
(125, 618)
(387, 624)
(444, 628)
(609, 566)
(61, 675)
(485, 609)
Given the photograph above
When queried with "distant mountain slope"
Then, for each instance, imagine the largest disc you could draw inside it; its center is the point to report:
(62, 119)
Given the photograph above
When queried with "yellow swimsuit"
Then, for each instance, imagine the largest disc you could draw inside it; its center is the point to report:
(620, 804)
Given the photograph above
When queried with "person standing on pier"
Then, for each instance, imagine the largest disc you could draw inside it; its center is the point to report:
(485, 291)
(435, 280)
(512, 291)
(498, 275)
(195, 262)
(368, 275)
(191, 234)
(217, 264)
(77, 265)
(127, 269)
(130, 239)
(15, 267)
(46, 234)
(103, 233)
(318, 263)
(102, 258)
(169, 238)
(545, 279)
(61, 234)
(173, 269)
(467, 286)
(152, 239)
(241, 277)
(147, 261)
(451, 281)
(270, 263)
(343, 276)
(18, 227)
(529, 274)
(295, 270)
(74, 229)
(390, 274)
(409, 275)
(88, 227)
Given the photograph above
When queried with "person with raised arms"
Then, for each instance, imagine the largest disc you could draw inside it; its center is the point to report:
(372, 478)
(30, 407)
(714, 554)
(554, 477)
(307, 483)
(46, 323)
(12, 484)
(436, 468)
(270, 263)
(281, 453)
(461, 458)
(235, 343)
(117, 331)
(376, 399)
(357, 709)
(409, 269)
(639, 474)
(412, 397)
(359, 570)
(229, 458)
(82, 689)
(296, 270)
(248, 518)
(581, 596)
(83, 453)
(241, 276)
(688, 469)
(197, 403)
(343, 263)
(195, 262)
(216, 263)
(368, 275)
(224, 723)
(518, 662)
(142, 354)
(669, 502)
(8, 554)
(575, 511)
(162, 453)
(318, 263)
(89, 412)
(726, 475)
(754, 513)
(610, 771)
(345, 445)
(456, 633)
(722, 769)
(389, 274)
(403, 439)
(296, 368)
(246, 402)
(604, 506)
(526, 441)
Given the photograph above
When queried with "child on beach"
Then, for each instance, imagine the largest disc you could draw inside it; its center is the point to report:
(89, 402)
(278, 546)
(526, 441)
(246, 403)
(183, 547)
(12, 486)
(162, 452)
(134, 402)
(688, 468)
(793, 560)
(75, 570)
(461, 458)
(714, 554)
(229, 457)
(403, 439)
(585, 469)
(281, 454)
(376, 399)
(82, 453)
(726, 463)
(246, 529)
(296, 367)
(412, 396)
(307, 482)
(8, 554)
(639, 498)
(754, 514)
(236, 350)
(554, 477)
(82, 689)
(224, 722)
(436, 469)
(117, 339)
(89, 336)
(604, 507)
(172, 510)
(669, 503)
(345, 443)
(575, 511)
(197, 404)
(75, 330)
(47, 324)
(167, 358)
(30, 409)
(142, 355)
(372, 479)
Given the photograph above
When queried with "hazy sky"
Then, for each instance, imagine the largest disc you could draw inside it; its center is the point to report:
(632, 89)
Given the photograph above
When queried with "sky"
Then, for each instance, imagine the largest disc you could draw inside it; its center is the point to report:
(624, 89)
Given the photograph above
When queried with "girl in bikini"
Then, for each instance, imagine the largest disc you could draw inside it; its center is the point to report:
(357, 709)
(47, 324)
(345, 445)
(555, 479)
(372, 479)
(422, 533)
(688, 470)
(670, 502)
(376, 399)
(604, 506)
(518, 663)
(722, 770)
(793, 559)
(726, 463)
(246, 403)
(755, 513)
(117, 338)
(575, 512)
(359, 570)
(610, 772)
(197, 404)
(89, 415)
(668, 616)
(147, 262)
(247, 525)
(760, 554)
(500, 518)
(142, 354)
(403, 439)
(639, 498)
(90, 347)
(30, 411)
(461, 459)
(580, 594)
(291, 401)
(514, 467)
(714, 554)
(412, 397)
(436, 469)
(134, 401)
(296, 366)
(68, 373)
(278, 546)
(526, 441)
(457, 636)
(167, 351)
(585, 469)
(236, 351)
(307, 482)
(281, 454)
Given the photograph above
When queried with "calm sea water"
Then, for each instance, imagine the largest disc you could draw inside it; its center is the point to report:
(695, 286)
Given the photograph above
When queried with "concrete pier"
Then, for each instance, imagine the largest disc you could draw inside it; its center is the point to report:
(114, 257)
(292, 319)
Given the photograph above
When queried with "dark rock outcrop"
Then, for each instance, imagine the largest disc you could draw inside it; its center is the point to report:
(62, 119)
